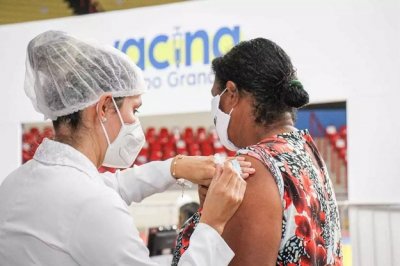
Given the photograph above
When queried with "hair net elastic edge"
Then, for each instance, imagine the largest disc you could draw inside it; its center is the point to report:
(85, 105)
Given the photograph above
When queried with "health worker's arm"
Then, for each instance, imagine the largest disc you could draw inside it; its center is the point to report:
(136, 183)
(104, 234)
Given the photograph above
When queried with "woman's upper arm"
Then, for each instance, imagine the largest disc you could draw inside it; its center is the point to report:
(254, 232)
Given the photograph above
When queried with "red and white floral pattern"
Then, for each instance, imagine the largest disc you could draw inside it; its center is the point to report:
(310, 224)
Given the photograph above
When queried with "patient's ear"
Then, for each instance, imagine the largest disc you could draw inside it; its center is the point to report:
(233, 93)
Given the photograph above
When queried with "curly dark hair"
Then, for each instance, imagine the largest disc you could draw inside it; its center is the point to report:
(263, 69)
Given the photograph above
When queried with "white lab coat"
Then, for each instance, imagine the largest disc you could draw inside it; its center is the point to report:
(58, 210)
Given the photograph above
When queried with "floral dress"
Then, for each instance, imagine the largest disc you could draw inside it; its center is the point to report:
(310, 222)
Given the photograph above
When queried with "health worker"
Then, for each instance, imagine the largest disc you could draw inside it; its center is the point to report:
(57, 209)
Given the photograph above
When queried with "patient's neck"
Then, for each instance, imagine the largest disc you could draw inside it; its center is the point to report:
(260, 132)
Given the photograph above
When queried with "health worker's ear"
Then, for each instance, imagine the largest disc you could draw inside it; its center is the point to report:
(105, 106)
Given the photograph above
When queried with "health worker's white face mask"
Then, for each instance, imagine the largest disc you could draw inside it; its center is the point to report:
(221, 122)
(122, 152)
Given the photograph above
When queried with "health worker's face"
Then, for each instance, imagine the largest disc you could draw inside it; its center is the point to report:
(128, 110)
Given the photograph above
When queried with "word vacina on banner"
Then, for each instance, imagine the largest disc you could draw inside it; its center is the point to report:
(180, 59)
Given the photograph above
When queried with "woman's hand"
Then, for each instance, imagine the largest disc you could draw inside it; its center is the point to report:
(201, 169)
(224, 197)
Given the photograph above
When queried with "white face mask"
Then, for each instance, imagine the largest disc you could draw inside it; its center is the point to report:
(221, 122)
(127, 145)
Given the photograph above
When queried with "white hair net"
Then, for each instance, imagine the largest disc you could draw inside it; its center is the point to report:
(65, 75)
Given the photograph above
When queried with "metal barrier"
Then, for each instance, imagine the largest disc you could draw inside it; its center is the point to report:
(375, 233)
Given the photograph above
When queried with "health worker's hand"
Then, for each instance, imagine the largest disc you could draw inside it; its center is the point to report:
(202, 190)
(201, 169)
(224, 196)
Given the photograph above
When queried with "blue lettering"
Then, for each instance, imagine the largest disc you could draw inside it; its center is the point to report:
(235, 34)
(140, 46)
(188, 46)
(177, 52)
(153, 45)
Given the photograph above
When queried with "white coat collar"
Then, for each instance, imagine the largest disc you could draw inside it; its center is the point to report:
(57, 153)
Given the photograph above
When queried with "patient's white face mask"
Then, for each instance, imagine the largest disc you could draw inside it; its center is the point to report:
(122, 152)
(221, 122)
